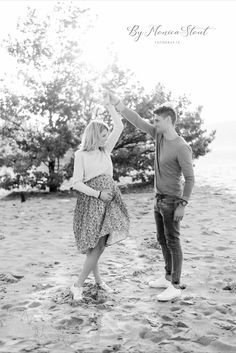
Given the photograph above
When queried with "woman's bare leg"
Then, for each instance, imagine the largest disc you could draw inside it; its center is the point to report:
(91, 261)
(96, 274)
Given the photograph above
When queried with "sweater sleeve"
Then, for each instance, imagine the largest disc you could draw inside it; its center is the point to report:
(117, 129)
(78, 176)
(135, 119)
(186, 164)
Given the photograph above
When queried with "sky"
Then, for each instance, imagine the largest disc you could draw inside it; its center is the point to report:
(198, 60)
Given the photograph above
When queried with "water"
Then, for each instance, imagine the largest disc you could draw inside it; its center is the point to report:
(217, 169)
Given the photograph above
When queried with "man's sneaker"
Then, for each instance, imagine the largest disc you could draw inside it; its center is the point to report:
(160, 283)
(76, 292)
(105, 287)
(168, 294)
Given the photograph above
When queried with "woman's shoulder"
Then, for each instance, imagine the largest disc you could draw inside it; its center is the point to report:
(86, 154)
(79, 153)
(106, 150)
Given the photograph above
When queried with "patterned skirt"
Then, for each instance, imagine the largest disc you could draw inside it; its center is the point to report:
(94, 218)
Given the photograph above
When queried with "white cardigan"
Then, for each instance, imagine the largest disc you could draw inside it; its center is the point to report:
(88, 165)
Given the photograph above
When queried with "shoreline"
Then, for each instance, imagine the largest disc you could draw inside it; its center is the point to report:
(125, 189)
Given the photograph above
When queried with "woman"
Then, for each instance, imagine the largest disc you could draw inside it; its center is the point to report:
(100, 216)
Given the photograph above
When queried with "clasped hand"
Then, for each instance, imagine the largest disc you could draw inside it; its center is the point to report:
(109, 98)
(106, 195)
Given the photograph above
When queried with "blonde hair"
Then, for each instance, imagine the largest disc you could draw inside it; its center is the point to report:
(92, 134)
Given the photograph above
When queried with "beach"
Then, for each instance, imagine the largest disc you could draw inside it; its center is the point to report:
(40, 261)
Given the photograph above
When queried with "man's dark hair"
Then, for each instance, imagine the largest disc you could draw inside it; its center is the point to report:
(166, 111)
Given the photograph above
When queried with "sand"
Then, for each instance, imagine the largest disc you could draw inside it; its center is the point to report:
(39, 262)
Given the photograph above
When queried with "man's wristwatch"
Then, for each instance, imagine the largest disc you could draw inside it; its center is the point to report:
(183, 202)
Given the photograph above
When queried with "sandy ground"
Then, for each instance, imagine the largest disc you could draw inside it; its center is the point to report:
(39, 262)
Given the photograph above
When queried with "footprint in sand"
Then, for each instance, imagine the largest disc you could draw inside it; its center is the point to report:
(222, 248)
(208, 258)
(181, 324)
(7, 306)
(20, 306)
(231, 287)
(24, 303)
(208, 312)
(151, 335)
(41, 286)
(34, 305)
(10, 278)
(41, 274)
(222, 309)
(205, 340)
(34, 263)
(218, 346)
(113, 348)
(70, 322)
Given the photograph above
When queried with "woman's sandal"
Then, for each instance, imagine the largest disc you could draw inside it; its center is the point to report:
(77, 292)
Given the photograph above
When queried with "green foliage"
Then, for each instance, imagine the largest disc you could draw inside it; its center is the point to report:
(134, 151)
(54, 92)
(189, 126)
(60, 95)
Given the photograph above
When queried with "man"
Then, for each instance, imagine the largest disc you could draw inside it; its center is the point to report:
(173, 159)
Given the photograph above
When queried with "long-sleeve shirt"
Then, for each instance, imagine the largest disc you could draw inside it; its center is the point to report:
(173, 160)
(89, 164)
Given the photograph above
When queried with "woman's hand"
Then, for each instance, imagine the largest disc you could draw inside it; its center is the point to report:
(109, 98)
(106, 195)
(113, 99)
(106, 99)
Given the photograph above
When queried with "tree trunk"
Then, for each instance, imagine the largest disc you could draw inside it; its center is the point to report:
(52, 180)
(22, 196)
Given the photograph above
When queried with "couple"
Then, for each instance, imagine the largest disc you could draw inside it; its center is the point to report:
(101, 217)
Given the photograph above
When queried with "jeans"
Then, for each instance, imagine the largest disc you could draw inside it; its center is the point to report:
(168, 235)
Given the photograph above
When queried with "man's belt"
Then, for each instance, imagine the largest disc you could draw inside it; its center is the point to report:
(162, 196)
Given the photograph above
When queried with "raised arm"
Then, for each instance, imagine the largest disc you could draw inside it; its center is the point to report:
(133, 117)
(117, 128)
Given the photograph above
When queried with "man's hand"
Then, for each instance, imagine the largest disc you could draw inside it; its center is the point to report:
(106, 98)
(106, 195)
(179, 213)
